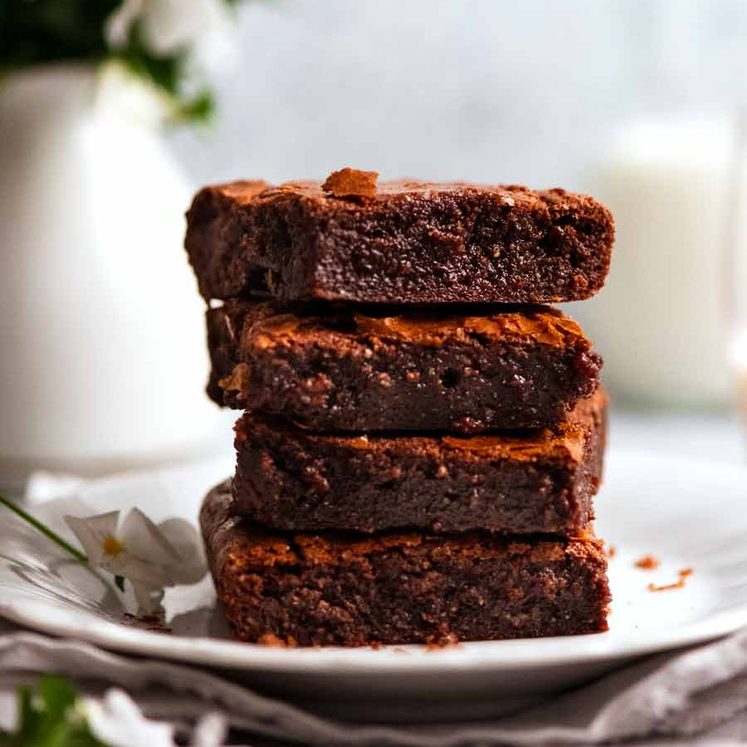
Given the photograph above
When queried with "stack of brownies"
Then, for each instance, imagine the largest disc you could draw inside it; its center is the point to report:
(421, 441)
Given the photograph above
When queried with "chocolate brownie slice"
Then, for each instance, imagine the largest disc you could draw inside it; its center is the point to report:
(316, 589)
(536, 482)
(431, 371)
(401, 242)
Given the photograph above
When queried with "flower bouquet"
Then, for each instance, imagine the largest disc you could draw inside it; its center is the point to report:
(167, 44)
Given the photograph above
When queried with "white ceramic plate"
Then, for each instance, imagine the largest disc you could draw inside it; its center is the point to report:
(687, 513)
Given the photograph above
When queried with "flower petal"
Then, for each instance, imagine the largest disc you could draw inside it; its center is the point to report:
(140, 571)
(191, 565)
(170, 26)
(210, 731)
(119, 722)
(148, 598)
(92, 532)
(119, 23)
(144, 540)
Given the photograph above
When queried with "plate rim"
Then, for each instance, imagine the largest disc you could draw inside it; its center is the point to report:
(387, 660)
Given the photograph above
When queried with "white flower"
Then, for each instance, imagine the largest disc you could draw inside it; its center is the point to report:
(210, 731)
(116, 720)
(169, 26)
(151, 557)
(118, 24)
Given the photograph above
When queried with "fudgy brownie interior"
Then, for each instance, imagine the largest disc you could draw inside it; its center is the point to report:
(404, 242)
(337, 370)
(515, 483)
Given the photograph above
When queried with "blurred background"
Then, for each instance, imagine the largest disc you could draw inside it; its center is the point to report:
(638, 102)
(484, 90)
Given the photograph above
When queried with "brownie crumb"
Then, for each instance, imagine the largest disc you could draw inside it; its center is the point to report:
(684, 573)
(236, 381)
(648, 563)
(151, 623)
(349, 182)
(271, 640)
(611, 551)
(441, 642)
(679, 584)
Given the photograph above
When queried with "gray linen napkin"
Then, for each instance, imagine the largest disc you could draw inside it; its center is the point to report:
(686, 697)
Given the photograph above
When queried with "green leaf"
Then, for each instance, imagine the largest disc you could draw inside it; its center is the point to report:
(40, 31)
(49, 717)
(57, 695)
(168, 74)
(199, 109)
(161, 71)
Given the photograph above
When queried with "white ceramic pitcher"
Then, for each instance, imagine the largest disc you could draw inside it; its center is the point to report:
(102, 354)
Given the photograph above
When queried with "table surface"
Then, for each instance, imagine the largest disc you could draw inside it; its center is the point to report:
(714, 436)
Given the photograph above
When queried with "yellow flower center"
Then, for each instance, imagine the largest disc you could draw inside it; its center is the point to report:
(112, 547)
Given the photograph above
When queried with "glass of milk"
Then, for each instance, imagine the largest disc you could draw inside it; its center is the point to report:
(675, 305)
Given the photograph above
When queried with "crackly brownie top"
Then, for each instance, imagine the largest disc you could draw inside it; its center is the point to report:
(242, 192)
(235, 542)
(565, 443)
(267, 326)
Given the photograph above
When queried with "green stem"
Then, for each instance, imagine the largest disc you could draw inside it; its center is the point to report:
(45, 530)
(59, 541)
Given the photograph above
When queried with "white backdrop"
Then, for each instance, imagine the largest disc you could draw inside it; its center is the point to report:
(490, 90)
